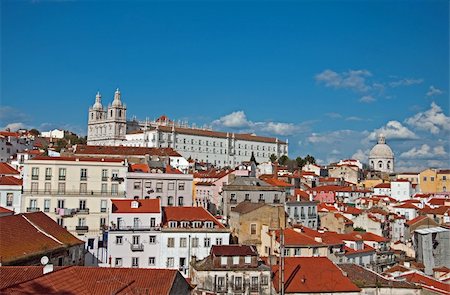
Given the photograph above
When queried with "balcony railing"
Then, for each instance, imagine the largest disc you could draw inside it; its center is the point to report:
(233, 201)
(134, 228)
(69, 193)
(64, 212)
(137, 247)
(276, 201)
(83, 211)
(82, 228)
(261, 201)
(33, 209)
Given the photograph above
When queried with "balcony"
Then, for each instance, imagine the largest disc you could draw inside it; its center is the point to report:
(33, 209)
(48, 177)
(64, 212)
(233, 201)
(62, 177)
(134, 228)
(276, 201)
(83, 178)
(104, 178)
(118, 179)
(83, 211)
(261, 201)
(312, 215)
(137, 247)
(74, 193)
(81, 228)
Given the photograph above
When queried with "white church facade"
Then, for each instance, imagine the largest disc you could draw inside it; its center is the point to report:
(381, 157)
(109, 126)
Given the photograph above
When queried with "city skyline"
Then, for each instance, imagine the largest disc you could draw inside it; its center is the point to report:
(275, 69)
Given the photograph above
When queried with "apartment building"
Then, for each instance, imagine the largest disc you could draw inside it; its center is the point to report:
(75, 192)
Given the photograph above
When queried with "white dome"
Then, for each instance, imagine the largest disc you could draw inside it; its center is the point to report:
(117, 102)
(381, 151)
(97, 105)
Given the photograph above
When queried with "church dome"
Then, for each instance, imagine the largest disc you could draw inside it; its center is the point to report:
(97, 105)
(381, 150)
(117, 102)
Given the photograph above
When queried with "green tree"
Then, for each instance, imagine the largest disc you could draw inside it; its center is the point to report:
(34, 132)
(283, 160)
(273, 158)
(300, 162)
(310, 159)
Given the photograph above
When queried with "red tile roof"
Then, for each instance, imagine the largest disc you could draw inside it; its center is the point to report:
(139, 168)
(407, 206)
(99, 280)
(76, 159)
(414, 220)
(7, 133)
(212, 173)
(12, 275)
(276, 182)
(352, 210)
(383, 185)
(295, 238)
(5, 210)
(145, 206)
(438, 201)
(312, 275)
(346, 220)
(366, 249)
(10, 180)
(19, 238)
(188, 214)
(124, 151)
(233, 250)
(5, 168)
(427, 282)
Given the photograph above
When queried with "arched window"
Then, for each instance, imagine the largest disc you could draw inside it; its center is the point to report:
(388, 165)
(170, 201)
(92, 116)
(111, 114)
(380, 164)
(180, 201)
(444, 189)
(372, 164)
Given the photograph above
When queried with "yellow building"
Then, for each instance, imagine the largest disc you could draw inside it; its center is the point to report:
(443, 180)
(434, 181)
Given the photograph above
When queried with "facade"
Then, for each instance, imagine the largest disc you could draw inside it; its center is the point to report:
(346, 172)
(251, 224)
(232, 269)
(381, 157)
(432, 246)
(23, 244)
(11, 143)
(298, 244)
(172, 187)
(108, 126)
(302, 211)
(401, 190)
(75, 192)
(336, 222)
(434, 181)
(250, 189)
(11, 193)
(55, 133)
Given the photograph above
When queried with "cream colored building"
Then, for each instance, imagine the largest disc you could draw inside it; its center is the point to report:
(381, 157)
(76, 193)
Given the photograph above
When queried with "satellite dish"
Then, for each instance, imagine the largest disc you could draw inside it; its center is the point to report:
(44, 260)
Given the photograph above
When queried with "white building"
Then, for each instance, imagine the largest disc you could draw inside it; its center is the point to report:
(75, 192)
(55, 133)
(110, 127)
(144, 235)
(382, 189)
(171, 186)
(401, 190)
(381, 157)
(11, 143)
(11, 193)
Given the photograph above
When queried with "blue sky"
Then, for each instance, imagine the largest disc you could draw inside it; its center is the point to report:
(327, 75)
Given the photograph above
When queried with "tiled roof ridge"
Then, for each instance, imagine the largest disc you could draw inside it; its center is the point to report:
(42, 231)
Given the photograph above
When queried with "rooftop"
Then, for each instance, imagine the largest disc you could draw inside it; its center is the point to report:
(143, 206)
(5, 168)
(233, 250)
(188, 214)
(124, 151)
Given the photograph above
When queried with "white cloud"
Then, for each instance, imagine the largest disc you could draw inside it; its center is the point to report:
(424, 152)
(334, 115)
(353, 79)
(15, 126)
(432, 120)
(280, 128)
(234, 120)
(331, 137)
(367, 99)
(393, 130)
(405, 82)
(434, 91)
(353, 118)
(361, 155)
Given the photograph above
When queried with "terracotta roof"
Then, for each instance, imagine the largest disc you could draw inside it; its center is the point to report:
(7, 133)
(171, 170)
(312, 275)
(145, 206)
(407, 206)
(442, 269)
(5, 168)
(438, 201)
(323, 207)
(139, 168)
(352, 210)
(19, 237)
(99, 280)
(188, 214)
(438, 210)
(447, 171)
(366, 278)
(12, 275)
(427, 282)
(124, 151)
(366, 249)
(414, 220)
(383, 185)
(212, 173)
(5, 210)
(246, 207)
(369, 236)
(76, 159)
(277, 182)
(346, 220)
(233, 250)
(10, 180)
(376, 210)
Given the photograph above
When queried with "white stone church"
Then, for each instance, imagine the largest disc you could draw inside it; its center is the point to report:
(109, 126)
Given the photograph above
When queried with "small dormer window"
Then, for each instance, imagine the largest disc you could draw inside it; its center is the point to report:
(209, 224)
(135, 204)
(248, 259)
(172, 224)
(197, 224)
(185, 224)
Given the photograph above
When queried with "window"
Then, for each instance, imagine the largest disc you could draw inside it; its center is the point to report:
(159, 187)
(47, 187)
(61, 188)
(47, 205)
(136, 222)
(102, 222)
(207, 242)
(171, 186)
(218, 241)
(172, 224)
(34, 186)
(103, 205)
(83, 174)
(48, 173)
(61, 204)
(35, 173)
(297, 251)
(169, 201)
(223, 260)
(170, 261)
(82, 221)
(104, 188)
(235, 260)
(194, 242)
(180, 201)
(104, 174)
(170, 242)
(183, 243)
(137, 185)
(115, 174)
(424, 178)
(82, 205)
(220, 282)
(264, 280)
(9, 199)
(118, 262)
(136, 240)
(254, 282)
(152, 240)
(432, 178)
(444, 177)
(60, 221)
(134, 261)
(181, 186)
(286, 251)
(33, 203)
(148, 184)
(119, 240)
(83, 188)
(151, 261)
(114, 189)
(253, 229)
(248, 259)
(238, 283)
(153, 222)
(247, 197)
